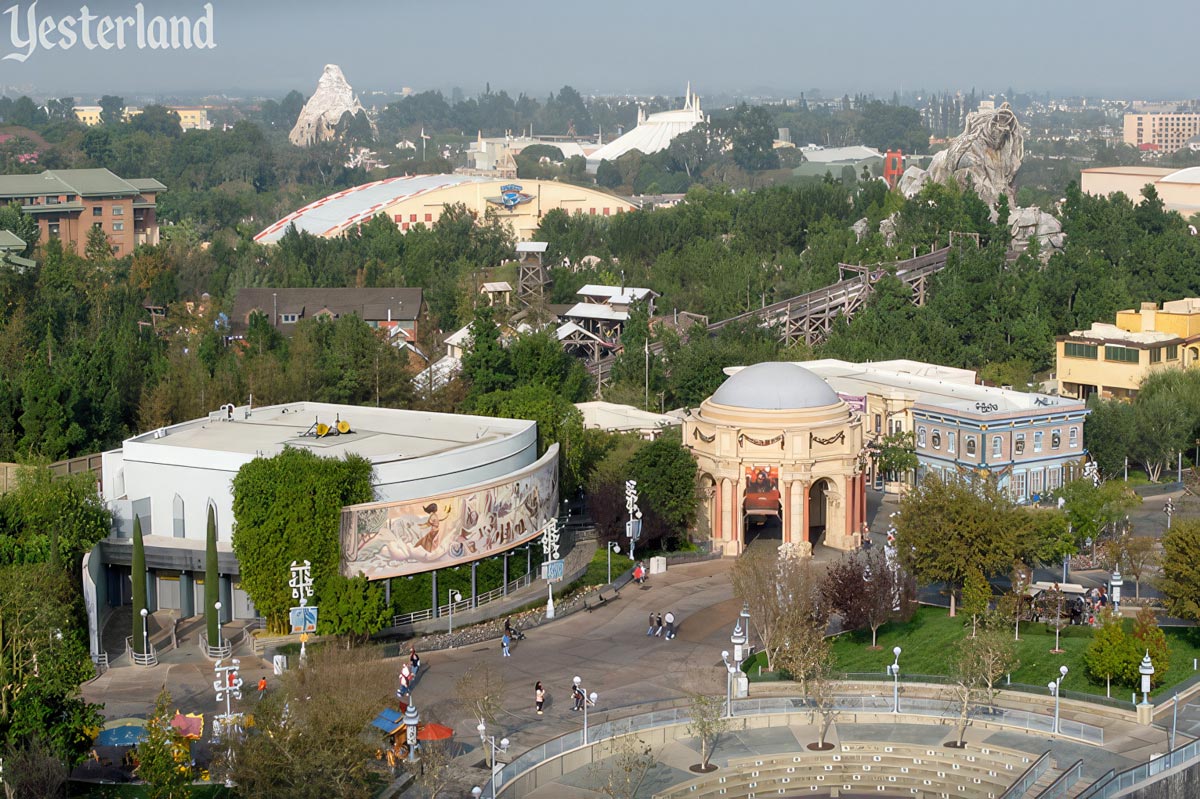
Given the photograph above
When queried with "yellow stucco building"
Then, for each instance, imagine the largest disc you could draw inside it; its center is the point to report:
(1113, 360)
(420, 199)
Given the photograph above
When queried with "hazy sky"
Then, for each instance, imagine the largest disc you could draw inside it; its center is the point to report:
(1098, 47)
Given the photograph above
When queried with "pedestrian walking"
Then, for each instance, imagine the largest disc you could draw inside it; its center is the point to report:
(658, 626)
(504, 642)
(539, 696)
(650, 629)
(639, 574)
(405, 682)
(508, 627)
(670, 625)
(415, 660)
(579, 697)
(262, 687)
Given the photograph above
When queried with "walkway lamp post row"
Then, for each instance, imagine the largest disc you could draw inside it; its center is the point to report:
(730, 670)
(501, 746)
(1055, 687)
(588, 699)
(894, 670)
(452, 596)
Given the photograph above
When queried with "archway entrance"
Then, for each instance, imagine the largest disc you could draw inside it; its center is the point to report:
(818, 511)
(1193, 355)
(762, 511)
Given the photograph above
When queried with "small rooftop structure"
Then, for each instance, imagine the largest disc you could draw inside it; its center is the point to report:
(653, 133)
(774, 386)
(379, 307)
(615, 418)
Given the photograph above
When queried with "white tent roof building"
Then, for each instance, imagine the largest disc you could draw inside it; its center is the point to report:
(653, 133)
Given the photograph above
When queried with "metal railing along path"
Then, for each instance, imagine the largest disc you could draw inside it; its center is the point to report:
(934, 708)
(1027, 780)
(1063, 782)
(401, 619)
(1114, 783)
(146, 659)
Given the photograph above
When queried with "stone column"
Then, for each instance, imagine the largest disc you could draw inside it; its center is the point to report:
(848, 492)
(785, 516)
(187, 594)
(805, 521)
(739, 515)
(716, 520)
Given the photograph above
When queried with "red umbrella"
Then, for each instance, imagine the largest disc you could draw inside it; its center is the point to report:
(434, 732)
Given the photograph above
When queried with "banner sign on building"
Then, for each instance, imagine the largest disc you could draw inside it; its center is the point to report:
(393, 539)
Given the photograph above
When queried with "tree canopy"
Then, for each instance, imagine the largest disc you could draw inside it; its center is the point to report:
(288, 508)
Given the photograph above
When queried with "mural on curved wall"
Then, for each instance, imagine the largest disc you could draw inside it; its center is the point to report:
(393, 539)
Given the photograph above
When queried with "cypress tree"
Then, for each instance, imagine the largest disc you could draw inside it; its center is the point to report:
(211, 585)
(138, 576)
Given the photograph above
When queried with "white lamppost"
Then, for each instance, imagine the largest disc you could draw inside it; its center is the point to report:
(587, 699)
(1055, 687)
(490, 740)
(613, 547)
(452, 596)
(217, 608)
(1146, 669)
(1169, 509)
(1116, 582)
(411, 719)
(145, 636)
(730, 670)
(894, 670)
(631, 505)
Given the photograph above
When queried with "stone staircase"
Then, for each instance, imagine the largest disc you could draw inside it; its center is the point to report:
(1060, 780)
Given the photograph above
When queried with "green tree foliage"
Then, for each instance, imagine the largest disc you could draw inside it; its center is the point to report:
(558, 421)
(112, 109)
(1091, 509)
(666, 475)
(1111, 652)
(976, 596)
(486, 364)
(1180, 581)
(352, 609)
(51, 519)
(43, 661)
(212, 580)
(164, 758)
(897, 453)
(1148, 637)
(947, 529)
(138, 578)
(288, 508)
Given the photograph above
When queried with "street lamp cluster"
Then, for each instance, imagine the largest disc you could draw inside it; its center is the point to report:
(1055, 687)
(739, 638)
(588, 699)
(894, 670)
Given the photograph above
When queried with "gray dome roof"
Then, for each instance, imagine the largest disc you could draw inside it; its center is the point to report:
(776, 387)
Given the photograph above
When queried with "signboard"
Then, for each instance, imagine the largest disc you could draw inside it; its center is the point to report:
(633, 529)
(553, 570)
(762, 490)
(511, 195)
(393, 539)
(304, 620)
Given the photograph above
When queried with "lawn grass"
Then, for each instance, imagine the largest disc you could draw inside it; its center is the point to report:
(929, 641)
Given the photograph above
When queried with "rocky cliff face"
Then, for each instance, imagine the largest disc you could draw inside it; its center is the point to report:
(320, 116)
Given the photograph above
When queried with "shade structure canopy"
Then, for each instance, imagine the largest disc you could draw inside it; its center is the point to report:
(126, 735)
(434, 732)
(190, 726)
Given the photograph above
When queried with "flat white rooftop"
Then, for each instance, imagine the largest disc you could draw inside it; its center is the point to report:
(378, 434)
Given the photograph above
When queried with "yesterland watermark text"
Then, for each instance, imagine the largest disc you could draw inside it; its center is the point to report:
(29, 31)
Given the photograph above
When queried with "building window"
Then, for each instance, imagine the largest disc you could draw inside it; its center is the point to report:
(969, 441)
(878, 422)
(1054, 478)
(1120, 354)
(1019, 444)
(118, 226)
(1018, 485)
(950, 442)
(118, 211)
(1055, 439)
(592, 211)
(399, 218)
(937, 439)
(897, 426)
(920, 436)
(1073, 350)
(1073, 437)
(428, 217)
(1172, 352)
(404, 226)
(997, 448)
(1156, 355)
(605, 212)
(412, 217)
(288, 318)
(1037, 440)
(97, 210)
(52, 230)
(1035, 483)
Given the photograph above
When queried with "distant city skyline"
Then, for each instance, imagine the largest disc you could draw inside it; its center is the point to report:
(268, 47)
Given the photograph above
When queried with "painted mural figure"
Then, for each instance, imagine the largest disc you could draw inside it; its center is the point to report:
(407, 537)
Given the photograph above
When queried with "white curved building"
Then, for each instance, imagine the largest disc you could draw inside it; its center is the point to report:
(653, 133)
(1179, 189)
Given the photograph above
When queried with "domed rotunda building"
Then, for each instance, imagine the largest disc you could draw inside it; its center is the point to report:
(780, 456)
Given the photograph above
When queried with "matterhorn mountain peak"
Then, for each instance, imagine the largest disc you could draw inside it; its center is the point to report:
(320, 116)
